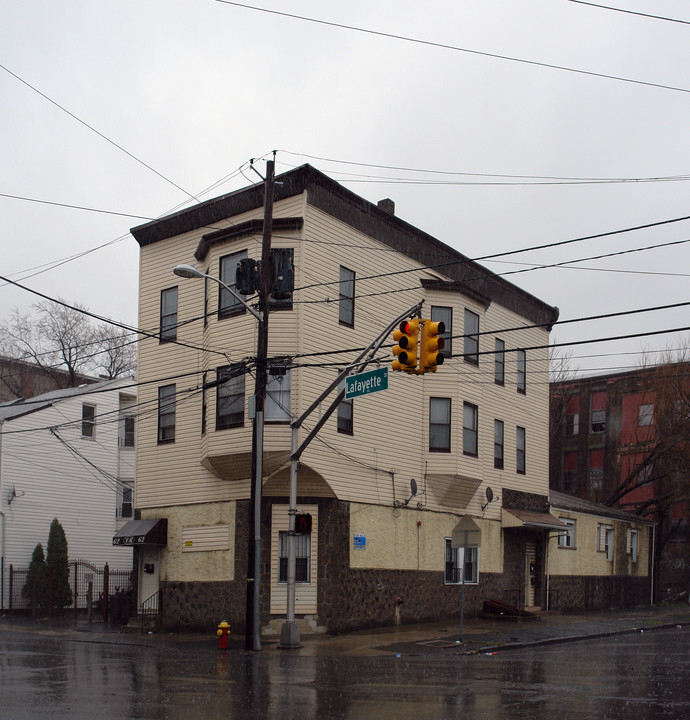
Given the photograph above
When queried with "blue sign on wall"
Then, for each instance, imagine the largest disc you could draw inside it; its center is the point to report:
(360, 542)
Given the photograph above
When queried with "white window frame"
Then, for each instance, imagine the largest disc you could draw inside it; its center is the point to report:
(440, 415)
(302, 558)
(471, 337)
(566, 538)
(277, 406)
(453, 560)
(605, 538)
(645, 414)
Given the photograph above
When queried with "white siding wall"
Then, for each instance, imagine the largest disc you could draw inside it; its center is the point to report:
(49, 481)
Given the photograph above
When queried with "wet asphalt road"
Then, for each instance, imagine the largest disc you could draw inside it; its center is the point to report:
(628, 677)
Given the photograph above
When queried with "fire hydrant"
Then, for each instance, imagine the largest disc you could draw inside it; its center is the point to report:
(223, 633)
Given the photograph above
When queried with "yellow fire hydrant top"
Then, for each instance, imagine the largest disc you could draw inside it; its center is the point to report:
(224, 625)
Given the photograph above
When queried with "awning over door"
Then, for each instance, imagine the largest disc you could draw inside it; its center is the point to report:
(530, 519)
(152, 531)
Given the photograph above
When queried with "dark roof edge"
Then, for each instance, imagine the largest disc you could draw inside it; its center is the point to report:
(562, 501)
(332, 198)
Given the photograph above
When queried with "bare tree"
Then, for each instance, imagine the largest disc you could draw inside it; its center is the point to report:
(63, 339)
(655, 463)
(118, 354)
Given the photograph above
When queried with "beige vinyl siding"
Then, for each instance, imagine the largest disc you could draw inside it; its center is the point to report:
(204, 538)
(390, 441)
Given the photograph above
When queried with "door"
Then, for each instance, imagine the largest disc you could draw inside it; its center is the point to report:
(306, 566)
(530, 573)
(149, 571)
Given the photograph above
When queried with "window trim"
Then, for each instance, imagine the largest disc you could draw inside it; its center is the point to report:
(471, 339)
(456, 563)
(500, 362)
(446, 312)
(521, 379)
(275, 370)
(521, 450)
(499, 461)
(346, 315)
(234, 307)
(167, 329)
(167, 400)
(345, 424)
(88, 421)
(469, 431)
(223, 392)
(444, 427)
(303, 562)
(566, 538)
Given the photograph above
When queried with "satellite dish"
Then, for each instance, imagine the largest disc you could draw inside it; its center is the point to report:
(413, 491)
(489, 494)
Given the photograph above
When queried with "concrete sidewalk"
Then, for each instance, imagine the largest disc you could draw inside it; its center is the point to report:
(480, 635)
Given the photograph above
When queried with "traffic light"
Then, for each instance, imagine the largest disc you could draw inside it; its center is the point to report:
(431, 344)
(406, 337)
(303, 523)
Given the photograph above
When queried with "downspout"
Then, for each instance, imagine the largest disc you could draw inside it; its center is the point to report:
(651, 565)
(3, 519)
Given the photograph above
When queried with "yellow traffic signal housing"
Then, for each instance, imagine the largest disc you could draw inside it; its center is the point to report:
(407, 339)
(430, 355)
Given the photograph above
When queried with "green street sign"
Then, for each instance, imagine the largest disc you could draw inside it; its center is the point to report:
(366, 383)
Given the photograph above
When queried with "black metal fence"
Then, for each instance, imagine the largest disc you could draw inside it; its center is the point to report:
(93, 589)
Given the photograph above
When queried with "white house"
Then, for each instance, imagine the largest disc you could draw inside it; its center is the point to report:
(67, 454)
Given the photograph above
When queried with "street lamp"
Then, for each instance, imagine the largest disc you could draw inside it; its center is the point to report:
(253, 568)
(187, 271)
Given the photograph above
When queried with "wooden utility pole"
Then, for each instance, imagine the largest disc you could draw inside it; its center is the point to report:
(252, 639)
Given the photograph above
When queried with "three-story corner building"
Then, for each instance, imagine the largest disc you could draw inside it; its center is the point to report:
(473, 435)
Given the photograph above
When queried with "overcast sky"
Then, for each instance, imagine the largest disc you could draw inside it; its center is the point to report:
(132, 106)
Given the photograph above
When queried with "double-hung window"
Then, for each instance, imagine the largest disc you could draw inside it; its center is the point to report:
(520, 450)
(166, 414)
(126, 504)
(645, 414)
(277, 405)
(498, 444)
(228, 304)
(471, 343)
(605, 540)
(168, 326)
(500, 362)
(346, 416)
(521, 371)
(633, 544)
(444, 315)
(230, 397)
(127, 424)
(439, 424)
(88, 420)
(346, 302)
(566, 537)
(459, 562)
(302, 557)
(470, 429)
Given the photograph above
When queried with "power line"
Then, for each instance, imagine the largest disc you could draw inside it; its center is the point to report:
(454, 173)
(631, 12)
(74, 207)
(455, 48)
(506, 253)
(100, 134)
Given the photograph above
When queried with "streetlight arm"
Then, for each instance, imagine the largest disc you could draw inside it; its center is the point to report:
(187, 271)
